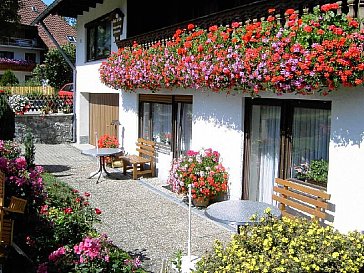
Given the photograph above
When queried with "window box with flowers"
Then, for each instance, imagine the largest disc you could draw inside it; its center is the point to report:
(315, 52)
(314, 172)
(202, 170)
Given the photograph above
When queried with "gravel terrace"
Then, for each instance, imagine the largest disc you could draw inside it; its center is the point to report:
(141, 216)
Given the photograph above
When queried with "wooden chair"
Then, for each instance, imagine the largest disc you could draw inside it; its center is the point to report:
(16, 205)
(145, 158)
(2, 188)
(295, 199)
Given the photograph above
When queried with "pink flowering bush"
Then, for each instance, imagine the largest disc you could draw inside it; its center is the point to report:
(203, 170)
(21, 180)
(92, 254)
(315, 52)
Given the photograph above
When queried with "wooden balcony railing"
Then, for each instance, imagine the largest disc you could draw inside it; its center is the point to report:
(254, 11)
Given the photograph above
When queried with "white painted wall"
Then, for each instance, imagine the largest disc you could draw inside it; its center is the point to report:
(88, 77)
(346, 182)
(218, 124)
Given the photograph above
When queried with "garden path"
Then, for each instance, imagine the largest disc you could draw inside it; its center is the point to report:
(140, 216)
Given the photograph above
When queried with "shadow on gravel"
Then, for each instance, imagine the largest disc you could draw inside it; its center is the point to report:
(140, 253)
(55, 168)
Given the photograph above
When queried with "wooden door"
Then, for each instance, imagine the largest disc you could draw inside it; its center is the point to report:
(104, 115)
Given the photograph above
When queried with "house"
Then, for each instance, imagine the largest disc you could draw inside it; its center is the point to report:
(27, 46)
(259, 139)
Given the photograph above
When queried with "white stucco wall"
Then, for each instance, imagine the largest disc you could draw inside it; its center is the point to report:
(218, 124)
(346, 182)
(88, 77)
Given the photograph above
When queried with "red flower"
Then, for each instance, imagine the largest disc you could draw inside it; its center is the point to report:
(289, 11)
(307, 28)
(235, 24)
(327, 7)
(271, 10)
(190, 26)
(97, 211)
(354, 23)
(87, 194)
(213, 28)
(68, 210)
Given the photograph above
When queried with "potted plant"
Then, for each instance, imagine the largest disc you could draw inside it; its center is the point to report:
(203, 171)
(108, 141)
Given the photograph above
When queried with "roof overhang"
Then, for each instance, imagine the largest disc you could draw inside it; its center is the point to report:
(67, 8)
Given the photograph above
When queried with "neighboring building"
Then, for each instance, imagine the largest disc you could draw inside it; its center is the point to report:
(253, 136)
(28, 44)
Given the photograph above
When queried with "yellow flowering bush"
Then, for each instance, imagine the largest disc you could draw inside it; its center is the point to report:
(286, 245)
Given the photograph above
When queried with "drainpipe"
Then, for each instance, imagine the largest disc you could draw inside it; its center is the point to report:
(74, 76)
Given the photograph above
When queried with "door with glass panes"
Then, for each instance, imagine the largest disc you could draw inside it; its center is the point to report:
(281, 135)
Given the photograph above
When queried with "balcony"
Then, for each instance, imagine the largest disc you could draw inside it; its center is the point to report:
(254, 11)
(20, 42)
(16, 65)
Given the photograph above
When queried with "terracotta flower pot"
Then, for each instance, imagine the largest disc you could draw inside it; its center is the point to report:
(200, 202)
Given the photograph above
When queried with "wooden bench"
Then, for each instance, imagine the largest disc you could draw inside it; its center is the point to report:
(296, 199)
(145, 158)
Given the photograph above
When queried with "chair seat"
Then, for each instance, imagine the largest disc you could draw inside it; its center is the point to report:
(134, 159)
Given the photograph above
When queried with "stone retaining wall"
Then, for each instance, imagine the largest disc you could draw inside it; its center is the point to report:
(48, 129)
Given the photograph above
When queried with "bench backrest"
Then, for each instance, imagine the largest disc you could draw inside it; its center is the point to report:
(297, 197)
(145, 148)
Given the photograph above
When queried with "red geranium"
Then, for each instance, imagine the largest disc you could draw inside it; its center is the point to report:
(107, 141)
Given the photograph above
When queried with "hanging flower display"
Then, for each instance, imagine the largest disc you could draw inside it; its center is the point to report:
(315, 52)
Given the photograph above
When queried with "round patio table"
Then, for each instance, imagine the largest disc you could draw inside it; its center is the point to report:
(239, 212)
(101, 153)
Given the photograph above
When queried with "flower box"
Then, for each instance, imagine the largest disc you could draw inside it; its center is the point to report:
(17, 67)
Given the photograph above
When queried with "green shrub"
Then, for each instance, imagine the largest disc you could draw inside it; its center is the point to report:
(70, 214)
(318, 171)
(8, 78)
(287, 245)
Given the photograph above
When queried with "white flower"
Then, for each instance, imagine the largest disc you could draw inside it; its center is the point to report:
(18, 103)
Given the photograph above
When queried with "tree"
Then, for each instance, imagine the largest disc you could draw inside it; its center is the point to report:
(57, 71)
(9, 17)
(8, 78)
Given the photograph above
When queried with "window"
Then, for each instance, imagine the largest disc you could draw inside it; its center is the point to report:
(98, 38)
(7, 54)
(282, 134)
(30, 57)
(71, 39)
(28, 78)
(167, 120)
